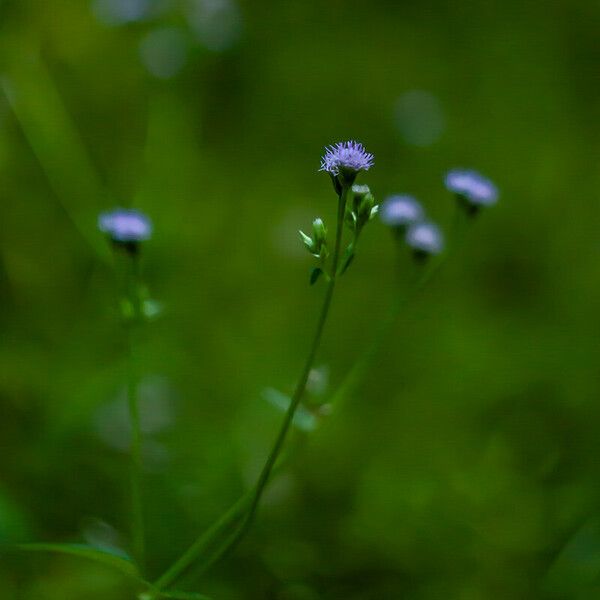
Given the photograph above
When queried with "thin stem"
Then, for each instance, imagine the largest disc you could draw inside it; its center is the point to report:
(385, 328)
(202, 542)
(361, 366)
(252, 498)
(137, 515)
(301, 385)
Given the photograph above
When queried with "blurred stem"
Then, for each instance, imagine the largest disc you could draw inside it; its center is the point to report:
(38, 107)
(202, 542)
(386, 327)
(253, 497)
(137, 515)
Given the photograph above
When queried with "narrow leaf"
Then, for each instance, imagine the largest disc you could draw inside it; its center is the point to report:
(315, 274)
(347, 259)
(111, 558)
(46, 123)
(184, 596)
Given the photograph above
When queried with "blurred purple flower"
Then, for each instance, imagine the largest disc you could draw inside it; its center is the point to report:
(125, 225)
(346, 158)
(472, 186)
(425, 238)
(401, 211)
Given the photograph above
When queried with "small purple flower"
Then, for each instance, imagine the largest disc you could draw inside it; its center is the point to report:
(476, 189)
(346, 159)
(125, 226)
(401, 211)
(425, 238)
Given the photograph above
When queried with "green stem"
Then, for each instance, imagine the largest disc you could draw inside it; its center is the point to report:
(252, 498)
(385, 328)
(201, 543)
(301, 385)
(137, 525)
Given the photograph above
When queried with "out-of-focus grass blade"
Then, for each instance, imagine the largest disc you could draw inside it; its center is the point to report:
(303, 419)
(576, 569)
(41, 113)
(114, 559)
(184, 596)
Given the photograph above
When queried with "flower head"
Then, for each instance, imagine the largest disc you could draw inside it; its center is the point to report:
(401, 211)
(473, 187)
(425, 238)
(346, 160)
(125, 226)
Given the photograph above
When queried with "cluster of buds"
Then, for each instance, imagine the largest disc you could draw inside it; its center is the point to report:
(343, 162)
(317, 246)
(361, 208)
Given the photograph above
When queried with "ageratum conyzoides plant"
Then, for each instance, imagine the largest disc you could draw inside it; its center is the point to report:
(333, 248)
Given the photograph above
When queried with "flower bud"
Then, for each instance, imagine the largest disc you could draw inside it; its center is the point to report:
(316, 245)
(362, 206)
(319, 232)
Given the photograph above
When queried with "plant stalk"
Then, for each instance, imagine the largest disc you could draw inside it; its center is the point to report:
(252, 499)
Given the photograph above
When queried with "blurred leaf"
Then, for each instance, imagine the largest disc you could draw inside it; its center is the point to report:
(54, 139)
(13, 522)
(114, 559)
(184, 596)
(577, 567)
(303, 419)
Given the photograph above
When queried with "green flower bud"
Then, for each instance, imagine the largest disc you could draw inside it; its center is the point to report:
(358, 193)
(319, 232)
(363, 205)
(316, 245)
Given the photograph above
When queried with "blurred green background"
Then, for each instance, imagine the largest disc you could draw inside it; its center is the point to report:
(466, 465)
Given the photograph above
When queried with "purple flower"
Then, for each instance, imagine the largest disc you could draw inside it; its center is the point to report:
(401, 211)
(425, 238)
(346, 159)
(473, 187)
(125, 226)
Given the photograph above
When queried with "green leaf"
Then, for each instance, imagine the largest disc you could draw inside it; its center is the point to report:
(111, 558)
(315, 274)
(47, 125)
(303, 419)
(347, 259)
(577, 567)
(184, 596)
